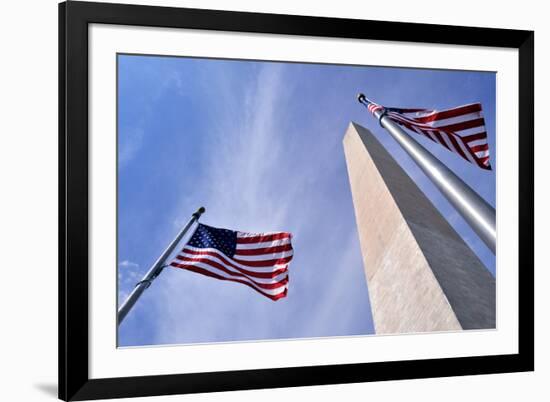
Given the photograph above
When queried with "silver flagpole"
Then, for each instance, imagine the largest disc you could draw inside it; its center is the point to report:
(474, 209)
(156, 269)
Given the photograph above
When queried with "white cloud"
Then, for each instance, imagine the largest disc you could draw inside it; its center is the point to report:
(128, 264)
(263, 172)
(132, 144)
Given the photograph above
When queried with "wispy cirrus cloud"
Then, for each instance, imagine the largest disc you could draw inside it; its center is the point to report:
(260, 175)
(245, 161)
(128, 264)
(128, 275)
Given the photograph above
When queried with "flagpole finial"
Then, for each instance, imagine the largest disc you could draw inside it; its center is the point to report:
(199, 212)
(361, 97)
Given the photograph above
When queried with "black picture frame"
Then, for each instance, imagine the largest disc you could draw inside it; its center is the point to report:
(74, 18)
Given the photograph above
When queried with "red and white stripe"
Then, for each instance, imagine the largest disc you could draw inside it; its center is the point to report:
(460, 130)
(260, 262)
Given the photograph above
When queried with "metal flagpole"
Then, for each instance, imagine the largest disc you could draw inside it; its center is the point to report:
(474, 209)
(156, 269)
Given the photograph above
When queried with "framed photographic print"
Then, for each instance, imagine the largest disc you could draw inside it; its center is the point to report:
(256, 200)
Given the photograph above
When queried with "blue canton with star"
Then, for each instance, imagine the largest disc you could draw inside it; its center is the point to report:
(224, 240)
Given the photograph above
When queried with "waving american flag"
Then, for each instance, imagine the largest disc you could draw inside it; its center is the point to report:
(258, 260)
(460, 130)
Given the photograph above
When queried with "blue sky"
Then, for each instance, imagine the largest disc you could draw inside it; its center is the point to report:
(259, 144)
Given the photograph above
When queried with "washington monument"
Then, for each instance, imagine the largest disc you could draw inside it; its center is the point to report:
(420, 274)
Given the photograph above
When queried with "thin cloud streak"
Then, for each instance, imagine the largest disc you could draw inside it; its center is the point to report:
(249, 165)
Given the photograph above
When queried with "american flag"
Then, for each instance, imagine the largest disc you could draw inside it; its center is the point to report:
(258, 260)
(460, 130)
